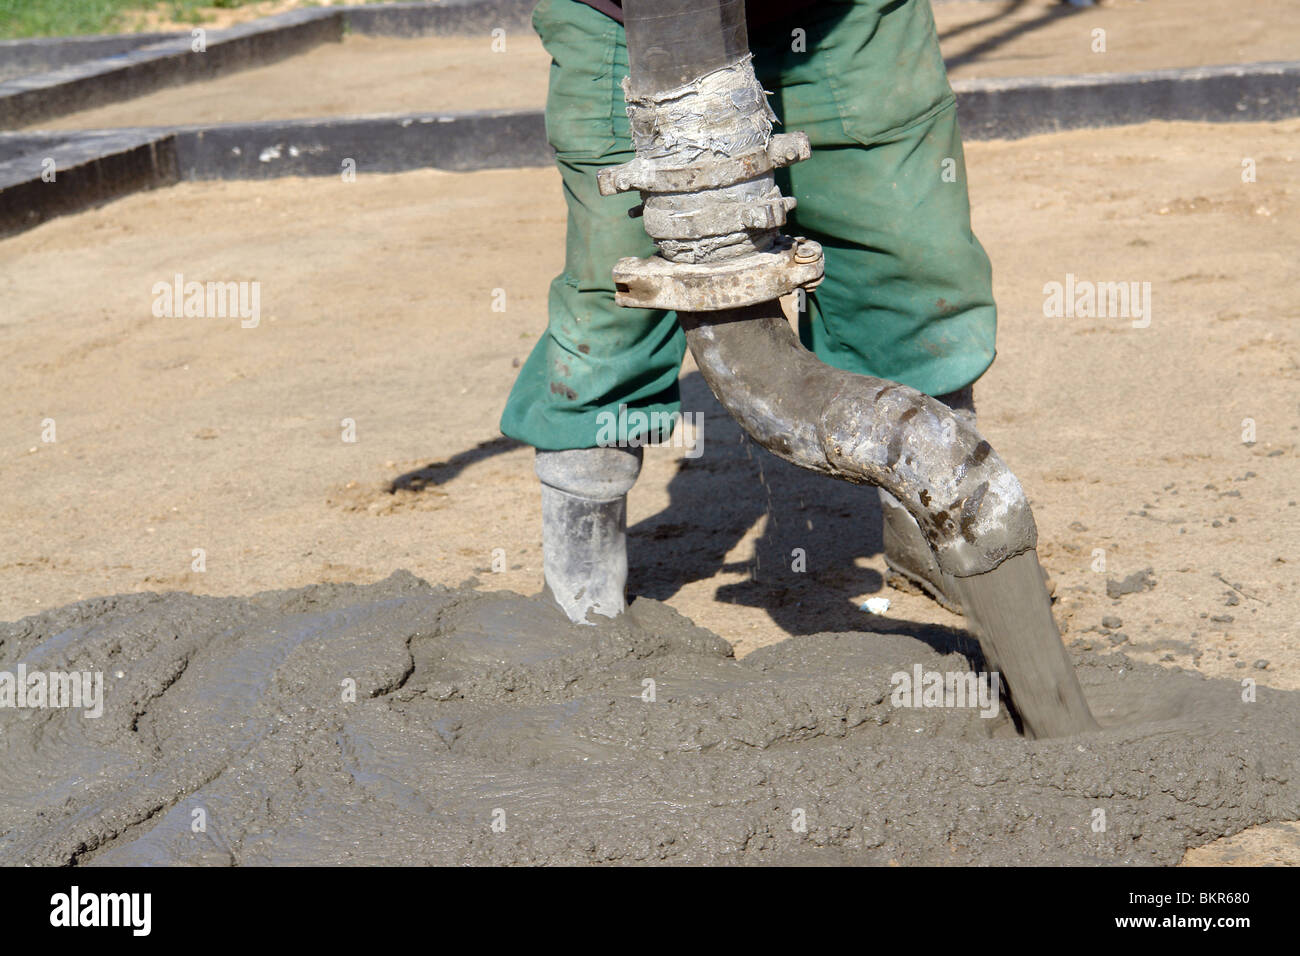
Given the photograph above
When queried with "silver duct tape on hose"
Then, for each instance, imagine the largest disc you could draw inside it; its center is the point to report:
(723, 113)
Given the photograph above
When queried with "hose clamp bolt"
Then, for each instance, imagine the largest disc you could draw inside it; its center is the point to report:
(806, 250)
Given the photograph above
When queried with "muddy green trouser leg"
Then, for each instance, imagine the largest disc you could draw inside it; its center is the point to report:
(907, 294)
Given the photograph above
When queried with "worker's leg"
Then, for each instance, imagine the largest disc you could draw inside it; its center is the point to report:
(584, 527)
(908, 293)
(594, 356)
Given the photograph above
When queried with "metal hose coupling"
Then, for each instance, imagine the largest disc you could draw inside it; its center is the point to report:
(705, 163)
(704, 167)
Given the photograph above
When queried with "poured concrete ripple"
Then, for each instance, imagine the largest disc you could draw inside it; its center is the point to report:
(476, 708)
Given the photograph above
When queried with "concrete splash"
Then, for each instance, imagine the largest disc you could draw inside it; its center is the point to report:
(402, 723)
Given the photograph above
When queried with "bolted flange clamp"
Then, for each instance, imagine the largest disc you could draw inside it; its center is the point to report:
(656, 283)
(705, 162)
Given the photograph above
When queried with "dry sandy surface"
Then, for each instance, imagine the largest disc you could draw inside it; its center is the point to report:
(175, 434)
(1023, 37)
(361, 75)
(1035, 37)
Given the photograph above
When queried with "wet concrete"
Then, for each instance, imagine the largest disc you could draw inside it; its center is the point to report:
(473, 709)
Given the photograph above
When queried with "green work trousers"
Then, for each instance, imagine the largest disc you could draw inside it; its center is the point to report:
(907, 294)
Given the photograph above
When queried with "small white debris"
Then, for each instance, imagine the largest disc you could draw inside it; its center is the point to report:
(876, 605)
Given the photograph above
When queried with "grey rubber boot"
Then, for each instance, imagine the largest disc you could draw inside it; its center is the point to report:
(584, 527)
(910, 562)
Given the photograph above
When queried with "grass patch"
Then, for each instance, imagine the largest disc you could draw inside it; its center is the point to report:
(56, 18)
